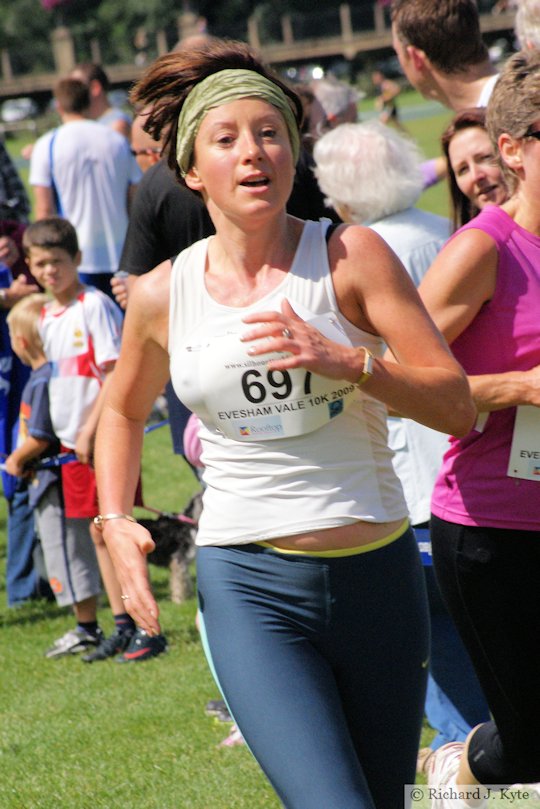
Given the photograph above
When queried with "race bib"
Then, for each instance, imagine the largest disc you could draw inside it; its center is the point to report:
(247, 402)
(525, 449)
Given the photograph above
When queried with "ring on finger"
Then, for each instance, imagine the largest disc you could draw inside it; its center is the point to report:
(287, 333)
(124, 598)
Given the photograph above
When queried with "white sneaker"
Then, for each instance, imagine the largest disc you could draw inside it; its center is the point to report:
(74, 641)
(442, 768)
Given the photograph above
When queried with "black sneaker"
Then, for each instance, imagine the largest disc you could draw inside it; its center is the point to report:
(115, 643)
(142, 647)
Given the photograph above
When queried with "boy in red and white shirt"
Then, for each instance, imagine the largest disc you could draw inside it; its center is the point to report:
(81, 331)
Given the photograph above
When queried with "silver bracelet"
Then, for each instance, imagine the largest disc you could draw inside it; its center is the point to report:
(102, 518)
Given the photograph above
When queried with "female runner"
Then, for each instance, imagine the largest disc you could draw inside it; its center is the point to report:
(310, 587)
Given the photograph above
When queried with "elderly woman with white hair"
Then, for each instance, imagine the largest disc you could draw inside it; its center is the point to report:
(527, 24)
(371, 175)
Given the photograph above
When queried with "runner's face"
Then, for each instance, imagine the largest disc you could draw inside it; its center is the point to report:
(243, 158)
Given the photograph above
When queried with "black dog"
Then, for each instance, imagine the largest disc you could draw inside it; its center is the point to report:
(174, 535)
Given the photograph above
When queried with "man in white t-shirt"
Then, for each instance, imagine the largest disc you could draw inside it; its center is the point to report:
(100, 108)
(85, 172)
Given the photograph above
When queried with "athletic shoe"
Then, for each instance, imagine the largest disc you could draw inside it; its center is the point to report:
(75, 641)
(223, 716)
(111, 646)
(142, 647)
(218, 710)
(442, 768)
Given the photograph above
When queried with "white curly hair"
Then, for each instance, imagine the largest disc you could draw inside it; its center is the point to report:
(369, 168)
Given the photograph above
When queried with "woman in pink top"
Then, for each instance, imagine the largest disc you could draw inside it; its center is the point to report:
(483, 291)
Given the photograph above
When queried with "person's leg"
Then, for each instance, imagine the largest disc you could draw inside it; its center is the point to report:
(73, 572)
(382, 676)
(86, 610)
(69, 554)
(83, 570)
(301, 651)
(21, 577)
(489, 580)
(455, 702)
(22, 580)
(280, 691)
(81, 505)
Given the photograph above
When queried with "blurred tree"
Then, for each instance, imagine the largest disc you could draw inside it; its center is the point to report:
(25, 32)
(48, 5)
(118, 25)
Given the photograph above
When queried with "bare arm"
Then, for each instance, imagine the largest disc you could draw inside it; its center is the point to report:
(84, 446)
(45, 204)
(30, 448)
(141, 371)
(375, 293)
(18, 289)
(497, 391)
(461, 279)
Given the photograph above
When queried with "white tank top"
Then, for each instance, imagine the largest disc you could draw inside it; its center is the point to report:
(284, 453)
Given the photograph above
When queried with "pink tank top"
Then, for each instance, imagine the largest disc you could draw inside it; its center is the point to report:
(473, 487)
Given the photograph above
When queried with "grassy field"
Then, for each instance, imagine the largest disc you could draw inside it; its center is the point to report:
(109, 736)
(74, 736)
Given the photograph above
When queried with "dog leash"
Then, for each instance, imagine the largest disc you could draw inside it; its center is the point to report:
(180, 517)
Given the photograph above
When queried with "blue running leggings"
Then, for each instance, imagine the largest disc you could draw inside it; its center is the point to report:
(323, 663)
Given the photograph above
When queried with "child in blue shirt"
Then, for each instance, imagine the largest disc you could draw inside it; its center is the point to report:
(68, 550)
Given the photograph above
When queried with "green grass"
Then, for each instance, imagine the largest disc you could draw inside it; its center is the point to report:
(74, 736)
(109, 736)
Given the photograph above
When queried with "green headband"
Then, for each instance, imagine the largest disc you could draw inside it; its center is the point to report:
(221, 88)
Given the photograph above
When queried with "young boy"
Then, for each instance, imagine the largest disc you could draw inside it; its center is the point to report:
(68, 550)
(80, 328)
